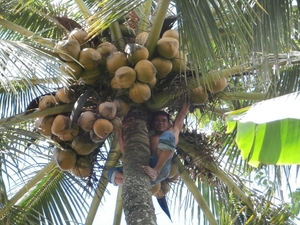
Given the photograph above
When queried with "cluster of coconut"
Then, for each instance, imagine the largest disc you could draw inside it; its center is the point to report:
(161, 189)
(82, 137)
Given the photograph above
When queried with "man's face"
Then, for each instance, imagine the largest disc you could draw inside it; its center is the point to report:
(161, 123)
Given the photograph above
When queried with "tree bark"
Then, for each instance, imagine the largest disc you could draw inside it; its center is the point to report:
(137, 199)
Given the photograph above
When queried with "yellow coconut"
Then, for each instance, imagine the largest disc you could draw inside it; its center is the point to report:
(68, 49)
(73, 69)
(89, 58)
(152, 83)
(107, 110)
(65, 159)
(46, 102)
(135, 53)
(179, 62)
(116, 60)
(105, 49)
(83, 167)
(117, 124)
(145, 71)
(198, 95)
(167, 47)
(79, 35)
(60, 123)
(122, 107)
(163, 66)
(218, 85)
(86, 120)
(142, 38)
(164, 189)
(171, 33)
(83, 144)
(69, 134)
(125, 76)
(91, 77)
(114, 84)
(139, 92)
(155, 188)
(43, 125)
(66, 95)
(102, 127)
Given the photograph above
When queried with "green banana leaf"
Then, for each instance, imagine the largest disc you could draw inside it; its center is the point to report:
(268, 132)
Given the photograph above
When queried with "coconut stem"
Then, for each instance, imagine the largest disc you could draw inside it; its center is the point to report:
(143, 24)
(195, 192)
(84, 9)
(157, 25)
(241, 96)
(113, 157)
(27, 33)
(116, 35)
(28, 186)
(19, 118)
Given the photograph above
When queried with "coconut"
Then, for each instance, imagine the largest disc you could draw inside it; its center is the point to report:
(155, 188)
(114, 84)
(115, 60)
(108, 110)
(141, 38)
(218, 85)
(83, 167)
(145, 71)
(73, 69)
(173, 171)
(163, 66)
(91, 77)
(66, 95)
(79, 35)
(102, 127)
(164, 189)
(136, 52)
(171, 33)
(69, 134)
(65, 159)
(60, 123)
(90, 59)
(139, 92)
(43, 125)
(122, 107)
(47, 101)
(68, 49)
(117, 124)
(198, 95)
(95, 138)
(86, 120)
(179, 62)
(152, 83)
(83, 144)
(167, 47)
(125, 76)
(105, 49)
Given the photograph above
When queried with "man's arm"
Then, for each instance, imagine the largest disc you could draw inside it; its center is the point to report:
(178, 123)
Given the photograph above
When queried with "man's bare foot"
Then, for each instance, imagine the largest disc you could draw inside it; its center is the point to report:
(152, 173)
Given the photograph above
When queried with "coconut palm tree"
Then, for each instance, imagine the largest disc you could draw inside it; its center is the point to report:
(251, 46)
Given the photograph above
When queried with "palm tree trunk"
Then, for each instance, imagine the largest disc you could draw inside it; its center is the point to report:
(137, 200)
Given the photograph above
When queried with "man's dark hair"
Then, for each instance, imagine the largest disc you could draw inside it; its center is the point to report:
(160, 113)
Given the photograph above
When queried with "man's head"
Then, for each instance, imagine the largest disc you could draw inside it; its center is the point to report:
(161, 121)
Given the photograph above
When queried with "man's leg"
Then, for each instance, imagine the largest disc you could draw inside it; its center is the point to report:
(165, 150)
(115, 176)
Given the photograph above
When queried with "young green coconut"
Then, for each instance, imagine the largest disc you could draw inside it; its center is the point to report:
(79, 35)
(142, 38)
(163, 67)
(83, 144)
(66, 95)
(167, 47)
(198, 95)
(86, 120)
(90, 59)
(105, 49)
(136, 53)
(122, 107)
(73, 69)
(116, 60)
(218, 85)
(102, 128)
